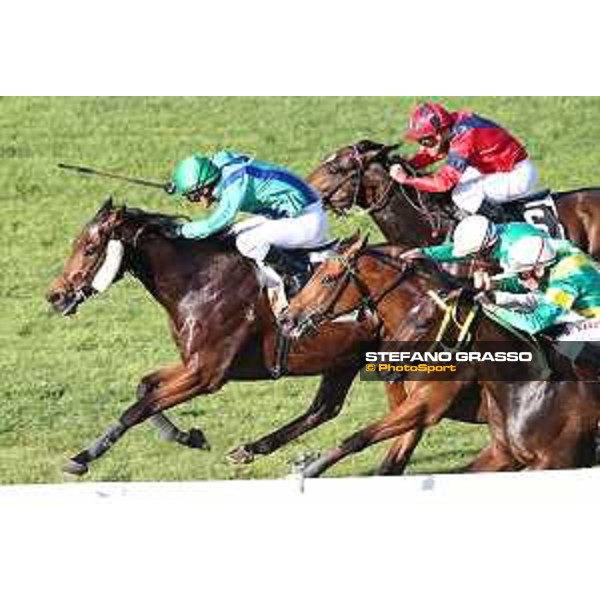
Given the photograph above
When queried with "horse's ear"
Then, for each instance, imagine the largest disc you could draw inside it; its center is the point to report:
(357, 244)
(380, 153)
(387, 150)
(353, 238)
(120, 213)
(106, 207)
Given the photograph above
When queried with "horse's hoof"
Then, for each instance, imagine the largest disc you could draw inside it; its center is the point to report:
(313, 469)
(197, 439)
(303, 460)
(240, 456)
(72, 467)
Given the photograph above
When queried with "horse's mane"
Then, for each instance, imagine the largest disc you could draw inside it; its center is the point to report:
(388, 159)
(152, 218)
(155, 221)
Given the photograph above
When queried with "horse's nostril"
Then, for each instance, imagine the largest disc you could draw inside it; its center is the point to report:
(54, 297)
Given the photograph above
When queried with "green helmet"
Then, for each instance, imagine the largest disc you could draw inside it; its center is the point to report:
(193, 173)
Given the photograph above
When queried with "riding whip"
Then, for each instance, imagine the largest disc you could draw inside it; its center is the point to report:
(166, 187)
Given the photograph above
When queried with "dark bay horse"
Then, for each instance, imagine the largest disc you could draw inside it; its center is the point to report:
(358, 176)
(219, 318)
(534, 424)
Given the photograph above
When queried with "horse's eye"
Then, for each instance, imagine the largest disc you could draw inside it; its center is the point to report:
(333, 169)
(90, 250)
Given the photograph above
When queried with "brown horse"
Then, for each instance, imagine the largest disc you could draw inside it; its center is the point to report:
(537, 424)
(220, 320)
(358, 176)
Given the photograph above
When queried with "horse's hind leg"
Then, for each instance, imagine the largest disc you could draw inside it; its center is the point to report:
(571, 450)
(401, 450)
(493, 458)
(423, 407)
(328, 402)
(178, 385)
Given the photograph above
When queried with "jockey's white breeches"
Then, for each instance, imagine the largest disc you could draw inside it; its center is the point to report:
(254, 236)
(474, 187)
(582, 331)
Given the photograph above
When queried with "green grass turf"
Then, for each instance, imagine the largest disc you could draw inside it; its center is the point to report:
(62, 381)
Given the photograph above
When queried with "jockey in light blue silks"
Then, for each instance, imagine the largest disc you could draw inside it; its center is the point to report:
(288, 212)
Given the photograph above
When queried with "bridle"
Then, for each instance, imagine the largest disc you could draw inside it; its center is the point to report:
(86, 289)
(419, 206)
(433, 219)
(350, 276)
(357, 176)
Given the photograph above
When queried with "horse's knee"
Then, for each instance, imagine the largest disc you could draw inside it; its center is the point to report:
(145, 386)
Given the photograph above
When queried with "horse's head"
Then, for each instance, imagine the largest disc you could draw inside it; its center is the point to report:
(346, 177)
(328, 293)
(94, 263)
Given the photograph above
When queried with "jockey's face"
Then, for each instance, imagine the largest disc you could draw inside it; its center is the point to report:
(436, 144)
(203, 196)
(531, 280)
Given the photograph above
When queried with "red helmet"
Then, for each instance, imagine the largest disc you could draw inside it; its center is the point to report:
(427, 120)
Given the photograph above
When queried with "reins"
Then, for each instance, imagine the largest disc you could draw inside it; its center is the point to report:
(418, 204)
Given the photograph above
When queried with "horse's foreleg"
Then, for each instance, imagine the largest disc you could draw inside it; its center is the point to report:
(168, 431)
(400, 453)
(423, 407)
(178, 385)
(328, 402)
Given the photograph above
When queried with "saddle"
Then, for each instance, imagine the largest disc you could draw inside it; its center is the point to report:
(297, 266)
(537, 209)
(294, 266)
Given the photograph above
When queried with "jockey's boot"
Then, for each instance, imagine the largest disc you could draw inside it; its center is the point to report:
(589, 356)
(492, 211)
(275, 288)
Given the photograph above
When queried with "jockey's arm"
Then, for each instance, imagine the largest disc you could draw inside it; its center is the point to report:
(508, 284)
(544, 315)
(441, 253)
(521, 301)
(224, 215)
(556, 301)
(442, 181)
(564, 247)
